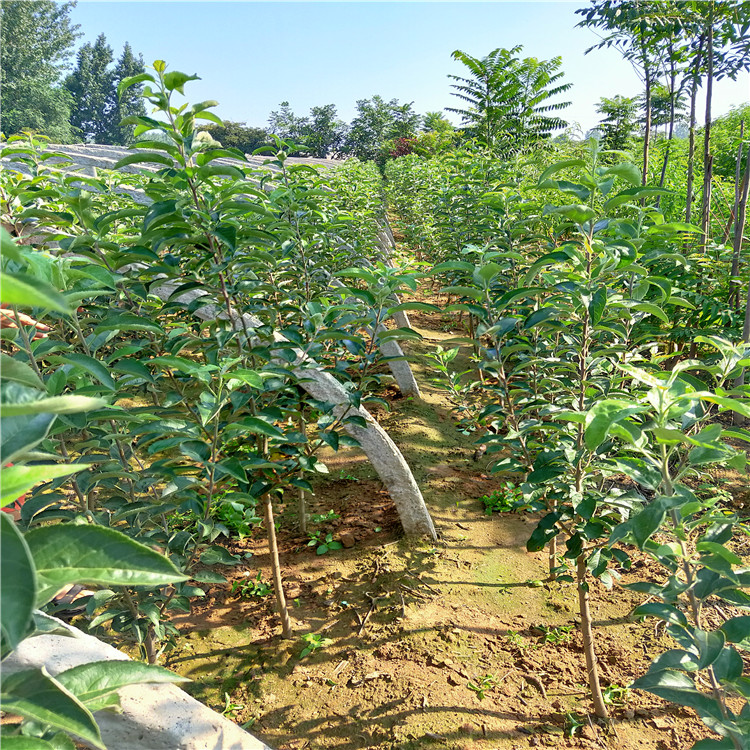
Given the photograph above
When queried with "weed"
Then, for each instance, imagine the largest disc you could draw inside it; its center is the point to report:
(517, 640)
(616, 695)
(314, 642)
(322, 543)
(231, 708)
(482, 686)
(573, 724)
(329, 515)
(556, 636)
(504, 500)
(346, 476)
(253, 587)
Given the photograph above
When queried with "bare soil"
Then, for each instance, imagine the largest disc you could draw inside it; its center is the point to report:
(457, 644)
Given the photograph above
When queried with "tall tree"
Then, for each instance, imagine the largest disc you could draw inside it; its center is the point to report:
(323, 132)
(636, 29)
(619, 122)
(131, 102)
(90, 84)
(376, 122)
(97, 110)
(508, 100)
(36, 42)
(239, 135)
(285, 124)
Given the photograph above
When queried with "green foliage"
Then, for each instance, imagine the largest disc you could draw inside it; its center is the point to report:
(574, 293)
(37, 41)
(315, 642)
(508, 100)
(252, 587)
(482, 686)
(377, 122)
(618, 124)
(238, 135)
(507, 499)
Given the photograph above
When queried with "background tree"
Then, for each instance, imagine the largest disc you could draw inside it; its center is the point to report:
(636, 29)
(97, 110)
(323, 132)
(619, 122)
(285, 124)
(377, 122)
(239, 135)
(36, 42)
(509, 99)
(131, 102)
(436, 122)
(90, 84)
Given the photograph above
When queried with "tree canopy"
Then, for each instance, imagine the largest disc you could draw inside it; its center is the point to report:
(37, 41)
(508, 101)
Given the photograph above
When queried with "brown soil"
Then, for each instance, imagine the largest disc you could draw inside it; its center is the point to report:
(456, 644)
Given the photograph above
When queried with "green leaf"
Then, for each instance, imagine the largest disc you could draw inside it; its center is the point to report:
(175, 81)
(647, 522)
(652, 309)
(33, 694)
(678, 688)
(737, 630)
(576, 212)
(626, 171)
(634, 193)
(665, 612)
(126, 83)
(720, 550)
(26, 743)
(557, 166)
(67, 553)
(53, 405)
(145, 157)
(219, 170)
(26, 291)
(89, 364)
(18, 590)
(258, 426)
(597, 305)
(601, 417)
(128, 322)
(17, 480)
(94, 683)
(19, 372)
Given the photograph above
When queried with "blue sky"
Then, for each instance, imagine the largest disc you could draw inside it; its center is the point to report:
(253, 55)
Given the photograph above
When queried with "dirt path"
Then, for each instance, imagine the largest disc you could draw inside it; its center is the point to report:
(457, 644)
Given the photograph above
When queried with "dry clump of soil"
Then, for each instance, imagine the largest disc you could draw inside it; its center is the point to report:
(457, 644)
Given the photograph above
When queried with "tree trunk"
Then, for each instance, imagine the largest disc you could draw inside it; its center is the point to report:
(740, 183)
(670, 136)
(647, 134)
(691, 146)
(707, 159)
(588, 640)
(286, 623)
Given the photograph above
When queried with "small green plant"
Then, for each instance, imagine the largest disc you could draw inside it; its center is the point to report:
(573, 724)
(557, 636)
(238, 517)
(504, 500)
(230, 707)
(327, 517)
(616, 695)
(253, 587)
(314, 642)
(322, 543)
(517, 640)
(483, 685)
(344, 475)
